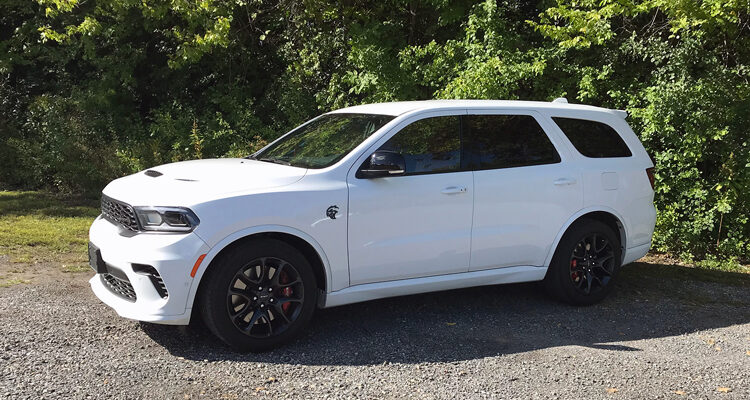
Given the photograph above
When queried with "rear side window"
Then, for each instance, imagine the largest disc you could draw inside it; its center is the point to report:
(430, 145)
(593, 139)
(506, 141)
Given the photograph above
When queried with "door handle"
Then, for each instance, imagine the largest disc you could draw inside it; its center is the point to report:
(453, 190)
(564, 181)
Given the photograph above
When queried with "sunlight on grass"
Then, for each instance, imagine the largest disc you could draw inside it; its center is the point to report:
(39, 227)
(12, 282)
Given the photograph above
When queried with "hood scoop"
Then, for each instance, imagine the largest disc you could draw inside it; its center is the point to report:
(152, 173)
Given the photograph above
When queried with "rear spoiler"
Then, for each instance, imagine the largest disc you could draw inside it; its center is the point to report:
(620, 113)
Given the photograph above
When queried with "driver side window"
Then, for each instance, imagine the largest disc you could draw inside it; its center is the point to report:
(429, 146)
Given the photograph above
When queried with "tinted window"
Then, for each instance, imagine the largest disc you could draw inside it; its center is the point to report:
(429, 145)
(593, 139)
(505, 141)
(323, 141)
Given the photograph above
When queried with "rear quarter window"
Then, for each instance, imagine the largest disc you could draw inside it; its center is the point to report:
(593, 139)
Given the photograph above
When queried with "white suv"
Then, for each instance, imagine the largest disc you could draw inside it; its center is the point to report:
(375, 201)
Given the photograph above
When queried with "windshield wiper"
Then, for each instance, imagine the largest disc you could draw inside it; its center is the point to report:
(275, 161)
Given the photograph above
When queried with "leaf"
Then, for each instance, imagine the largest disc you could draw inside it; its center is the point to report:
(680, 392)
(724, 389)
(612, 390)
(450, 323)
(747, 352)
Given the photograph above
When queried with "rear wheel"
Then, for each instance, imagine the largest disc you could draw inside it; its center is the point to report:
(585, 264)
(259, 296)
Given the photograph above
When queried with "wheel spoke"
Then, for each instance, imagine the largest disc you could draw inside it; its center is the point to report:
(606, 271)
(605, 243)
(592, 247)
(277, 273)
(280, 311)
(284, 300)
(268, 319)
(242, 314)
(263, 270)
(257, 315)
(245, 279)
(597, 279)
(580, 281)
(241, 293)
(607, 257)
(294, 282)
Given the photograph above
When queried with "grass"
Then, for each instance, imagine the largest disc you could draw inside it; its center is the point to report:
(11, 282)
(40, 227)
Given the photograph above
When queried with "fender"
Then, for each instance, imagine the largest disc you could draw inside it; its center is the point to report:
(577, 215)
(214, 251)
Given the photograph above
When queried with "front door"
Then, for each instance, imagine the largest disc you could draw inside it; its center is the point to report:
(417, 224)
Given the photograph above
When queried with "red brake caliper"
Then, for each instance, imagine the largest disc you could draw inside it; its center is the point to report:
(286, 292)
(573, 265)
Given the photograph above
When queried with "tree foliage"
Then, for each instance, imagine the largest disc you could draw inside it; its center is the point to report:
(93, 90)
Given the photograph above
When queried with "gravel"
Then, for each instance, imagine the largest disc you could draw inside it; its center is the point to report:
(654, 337)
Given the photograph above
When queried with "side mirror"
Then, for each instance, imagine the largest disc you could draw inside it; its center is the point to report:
(382, 164)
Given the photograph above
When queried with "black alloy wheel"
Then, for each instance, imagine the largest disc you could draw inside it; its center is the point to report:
(265, 297)
(592, 263)
(584, 267)
(258, 294)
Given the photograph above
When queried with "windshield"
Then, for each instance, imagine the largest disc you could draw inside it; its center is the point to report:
(324, 141)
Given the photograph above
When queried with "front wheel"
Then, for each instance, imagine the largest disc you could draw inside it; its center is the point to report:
(259, 296)
(585, 264)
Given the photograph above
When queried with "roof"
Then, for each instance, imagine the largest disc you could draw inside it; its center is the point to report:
(401, 107)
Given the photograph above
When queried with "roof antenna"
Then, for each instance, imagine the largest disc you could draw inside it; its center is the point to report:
(560, 100)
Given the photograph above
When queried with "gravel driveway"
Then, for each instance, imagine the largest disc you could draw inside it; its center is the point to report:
(661, 335)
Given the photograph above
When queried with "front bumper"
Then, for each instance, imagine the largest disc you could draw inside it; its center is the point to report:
(171, 255)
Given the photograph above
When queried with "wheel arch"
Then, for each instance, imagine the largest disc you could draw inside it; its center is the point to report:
(605, 215)
(308, 246)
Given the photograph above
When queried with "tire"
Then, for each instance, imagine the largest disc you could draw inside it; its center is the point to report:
(264, 309)
(578, 275)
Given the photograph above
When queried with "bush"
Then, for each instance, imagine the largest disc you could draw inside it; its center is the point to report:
(93, 90)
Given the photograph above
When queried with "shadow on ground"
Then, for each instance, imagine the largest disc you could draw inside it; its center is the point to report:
(651, 301)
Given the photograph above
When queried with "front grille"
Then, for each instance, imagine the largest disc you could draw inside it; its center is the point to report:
(118, 286)
(119, 213)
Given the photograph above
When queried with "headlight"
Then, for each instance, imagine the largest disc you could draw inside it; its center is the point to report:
(166, 219)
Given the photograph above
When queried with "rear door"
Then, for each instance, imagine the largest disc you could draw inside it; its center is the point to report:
(524, 187)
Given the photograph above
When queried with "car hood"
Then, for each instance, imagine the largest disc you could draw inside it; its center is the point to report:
(191, 182)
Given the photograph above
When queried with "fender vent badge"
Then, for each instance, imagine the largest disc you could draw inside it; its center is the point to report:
(332, 211)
